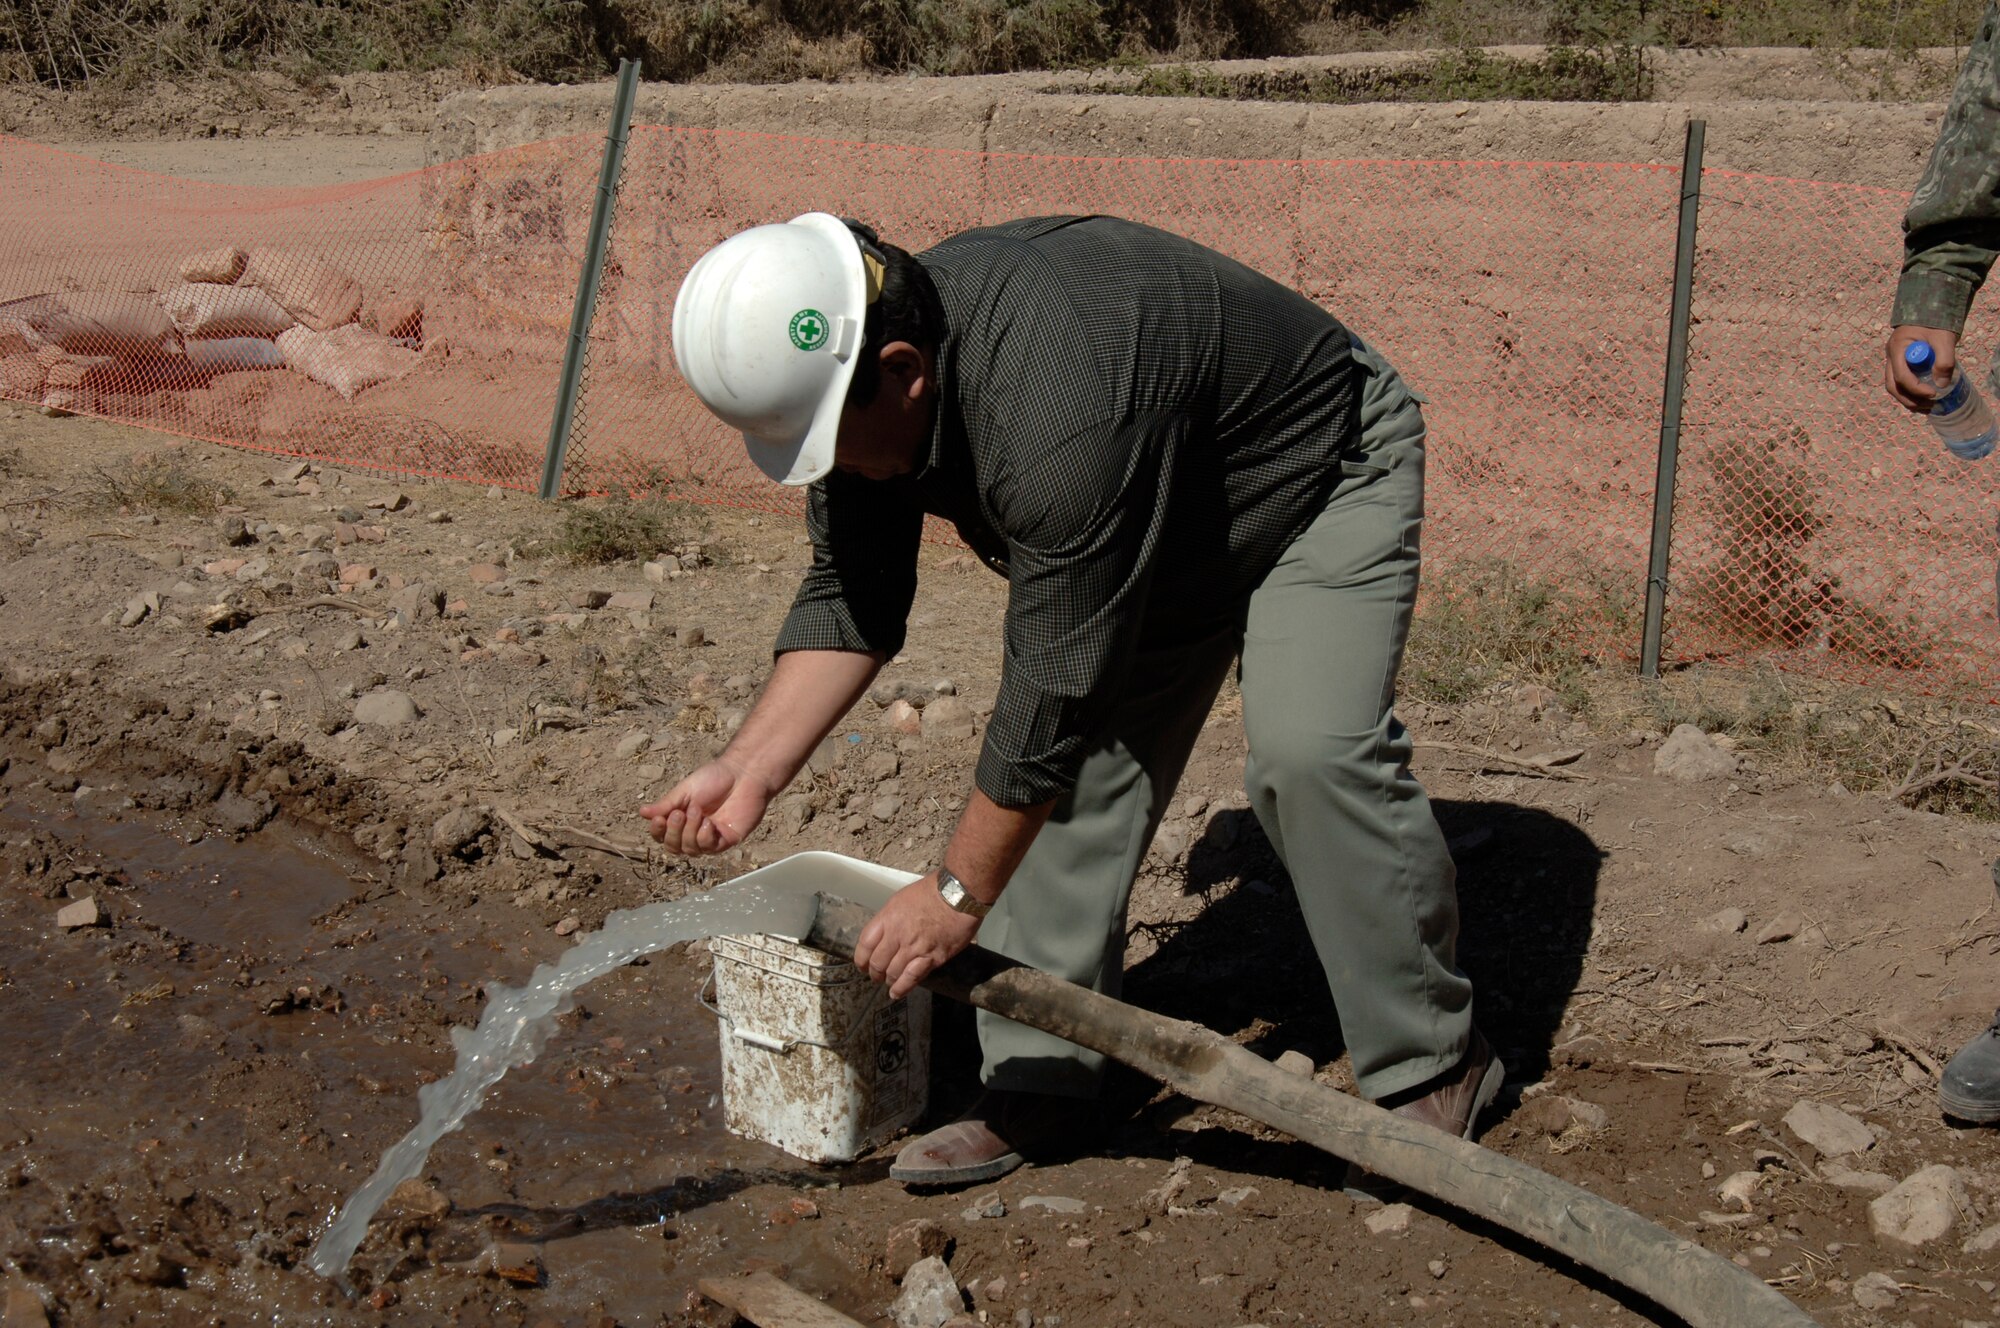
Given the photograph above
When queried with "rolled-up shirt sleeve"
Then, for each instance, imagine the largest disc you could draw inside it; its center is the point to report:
(1952, 230)
(857, 593)
(1083, 540)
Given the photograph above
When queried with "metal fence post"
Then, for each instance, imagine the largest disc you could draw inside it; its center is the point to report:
(1670, 404)
(593, 268)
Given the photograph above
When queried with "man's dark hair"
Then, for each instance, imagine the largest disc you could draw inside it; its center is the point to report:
(908, 310)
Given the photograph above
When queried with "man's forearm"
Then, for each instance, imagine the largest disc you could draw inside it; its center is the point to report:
(990, 842)
(808, 693)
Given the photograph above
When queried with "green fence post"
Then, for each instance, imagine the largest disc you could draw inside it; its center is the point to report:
(593, 269)
(1670, 404)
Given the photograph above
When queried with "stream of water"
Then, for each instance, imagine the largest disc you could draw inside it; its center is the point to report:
(777, 901)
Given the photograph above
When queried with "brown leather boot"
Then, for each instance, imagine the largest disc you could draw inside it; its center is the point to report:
(997, 1133)
(1450, 1102)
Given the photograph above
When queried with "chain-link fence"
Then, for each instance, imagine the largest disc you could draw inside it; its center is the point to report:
(1526, 301)
(1818, 525)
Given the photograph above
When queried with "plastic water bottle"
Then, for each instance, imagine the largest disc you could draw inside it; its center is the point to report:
(1959, 414)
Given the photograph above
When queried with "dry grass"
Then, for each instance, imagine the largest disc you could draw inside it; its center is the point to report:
(1481, 630)
(157, 482)
(619, 529)
(75, 43)
(72, 43)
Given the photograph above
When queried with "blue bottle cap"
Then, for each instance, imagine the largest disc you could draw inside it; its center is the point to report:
(1919, 356)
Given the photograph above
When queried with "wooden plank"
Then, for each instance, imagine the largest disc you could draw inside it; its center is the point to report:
(770, 1303)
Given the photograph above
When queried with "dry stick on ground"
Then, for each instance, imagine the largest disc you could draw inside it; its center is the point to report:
(227, 617)
(1924, 1059)
(1704, 1289)
(1502, 761)
(1939, 773)
(770, 1303)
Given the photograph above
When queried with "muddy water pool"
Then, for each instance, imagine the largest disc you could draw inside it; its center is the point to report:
(213, 1072)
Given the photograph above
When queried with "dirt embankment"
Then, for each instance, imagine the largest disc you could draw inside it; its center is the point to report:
(1858, 117)
(1668, 968)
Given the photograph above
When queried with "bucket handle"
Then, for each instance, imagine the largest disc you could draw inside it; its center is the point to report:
(782, 1045)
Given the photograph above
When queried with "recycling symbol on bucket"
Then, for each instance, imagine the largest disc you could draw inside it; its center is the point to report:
(892, 1054)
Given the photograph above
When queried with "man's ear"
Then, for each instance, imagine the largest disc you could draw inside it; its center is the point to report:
(908, 366)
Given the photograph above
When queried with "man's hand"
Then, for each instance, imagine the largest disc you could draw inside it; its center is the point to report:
(709, 811)
(1903, 385)
(913, 935)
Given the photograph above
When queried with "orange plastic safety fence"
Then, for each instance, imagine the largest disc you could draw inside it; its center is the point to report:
(416, 324)
(1526, 301)
(412, 324)
(1820, 527)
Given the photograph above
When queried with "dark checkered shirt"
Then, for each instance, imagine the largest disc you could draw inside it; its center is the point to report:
(1133, 426)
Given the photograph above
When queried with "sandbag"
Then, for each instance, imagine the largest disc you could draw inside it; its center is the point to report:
(231, 354)
(200, 309)
(346, 359)
(222, 265)
(21, 378)
(316, 293)
(103, 323)
(14, 339)
(402, 320)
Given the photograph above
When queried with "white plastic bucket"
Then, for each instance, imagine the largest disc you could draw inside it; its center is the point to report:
(816, 1059)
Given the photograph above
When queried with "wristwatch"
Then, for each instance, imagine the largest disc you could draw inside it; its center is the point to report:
(957, 898)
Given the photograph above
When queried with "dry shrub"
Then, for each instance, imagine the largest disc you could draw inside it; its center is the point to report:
(618, 529)
(71, 43)
(158, 482)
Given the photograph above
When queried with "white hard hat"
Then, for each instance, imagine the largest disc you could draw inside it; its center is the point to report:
(767, 330)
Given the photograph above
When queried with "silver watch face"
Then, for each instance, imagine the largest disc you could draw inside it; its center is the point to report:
(957, 898)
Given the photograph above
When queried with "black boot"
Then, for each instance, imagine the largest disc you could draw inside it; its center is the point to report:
(1970, 1089)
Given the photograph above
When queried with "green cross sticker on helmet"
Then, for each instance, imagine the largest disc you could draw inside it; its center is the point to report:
(745, 312)
(808, 329)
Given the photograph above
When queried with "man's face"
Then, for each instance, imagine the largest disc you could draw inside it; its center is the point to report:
(888, 436)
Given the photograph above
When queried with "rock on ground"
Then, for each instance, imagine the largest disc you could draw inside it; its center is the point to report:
(948, 717)
(1847, 1178)
(1392, 1220)
(386, 708)
(83, 913)
(1876, 1291)
(930, 1296)
(456, 829)
(1829, 1129)
(23, 1309)
(1728, 922)
(914, 1241)
(1688, 754)
(1924, 1207)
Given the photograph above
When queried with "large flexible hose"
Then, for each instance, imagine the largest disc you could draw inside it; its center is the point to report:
(1704, 1289)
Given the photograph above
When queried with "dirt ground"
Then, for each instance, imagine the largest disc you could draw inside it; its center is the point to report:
(201, 1079)
(295, 917)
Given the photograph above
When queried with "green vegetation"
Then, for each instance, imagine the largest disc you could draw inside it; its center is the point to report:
(1563, 73)
(617, 529)
(75, 43)
(159, 482)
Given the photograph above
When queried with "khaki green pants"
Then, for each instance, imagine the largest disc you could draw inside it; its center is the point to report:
(1328, 778)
